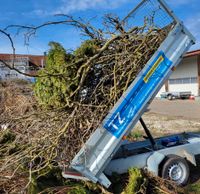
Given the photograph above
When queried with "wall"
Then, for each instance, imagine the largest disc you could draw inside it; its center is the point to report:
(20, 64)
(187, 68)
(6, 73)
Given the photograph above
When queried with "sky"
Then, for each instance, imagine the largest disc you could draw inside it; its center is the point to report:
(36, 12)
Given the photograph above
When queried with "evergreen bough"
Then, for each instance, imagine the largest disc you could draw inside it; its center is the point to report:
(55, 83)
(58, 80)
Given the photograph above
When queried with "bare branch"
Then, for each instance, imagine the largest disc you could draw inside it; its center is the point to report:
(11, 43)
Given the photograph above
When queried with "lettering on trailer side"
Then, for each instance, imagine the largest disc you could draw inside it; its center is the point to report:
(131, 104)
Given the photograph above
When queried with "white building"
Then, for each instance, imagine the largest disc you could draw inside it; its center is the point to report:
(29, 64)
(19, 63)
(186, 76)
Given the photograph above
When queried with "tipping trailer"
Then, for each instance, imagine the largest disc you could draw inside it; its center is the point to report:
(105, 152)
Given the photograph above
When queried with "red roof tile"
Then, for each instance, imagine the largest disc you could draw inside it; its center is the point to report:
(192, 53)
(37, 60)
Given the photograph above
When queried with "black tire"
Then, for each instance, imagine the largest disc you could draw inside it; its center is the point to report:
(176, 169)
(170, 97)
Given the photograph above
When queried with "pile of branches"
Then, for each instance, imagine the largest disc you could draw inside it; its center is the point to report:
(42, 139)
(144, 182)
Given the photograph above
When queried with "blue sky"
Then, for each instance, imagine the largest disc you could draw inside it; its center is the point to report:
(38, 11)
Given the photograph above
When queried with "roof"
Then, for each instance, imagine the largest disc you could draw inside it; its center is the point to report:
(192, 53)
(37, 60)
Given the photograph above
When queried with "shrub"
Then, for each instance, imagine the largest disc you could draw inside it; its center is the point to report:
(55, 83)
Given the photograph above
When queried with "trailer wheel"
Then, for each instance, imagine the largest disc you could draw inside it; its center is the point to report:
(176, 169)
(170, 97)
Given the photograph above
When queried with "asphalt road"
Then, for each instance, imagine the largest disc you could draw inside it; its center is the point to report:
(179, 108)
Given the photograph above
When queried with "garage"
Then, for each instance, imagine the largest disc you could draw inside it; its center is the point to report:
(186, 77)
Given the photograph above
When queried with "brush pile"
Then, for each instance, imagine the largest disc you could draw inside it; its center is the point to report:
(34, 140)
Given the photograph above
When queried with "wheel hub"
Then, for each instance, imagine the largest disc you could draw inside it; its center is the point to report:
(177, 173)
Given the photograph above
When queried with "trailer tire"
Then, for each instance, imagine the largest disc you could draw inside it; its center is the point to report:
(170, 97)
(176, 169)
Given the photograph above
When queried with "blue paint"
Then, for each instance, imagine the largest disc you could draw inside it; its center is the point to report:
(118, 122)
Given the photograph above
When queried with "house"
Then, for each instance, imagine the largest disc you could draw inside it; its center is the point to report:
(24, 63)
(186, 76)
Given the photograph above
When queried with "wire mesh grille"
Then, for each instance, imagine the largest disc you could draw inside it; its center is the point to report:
(149, 13)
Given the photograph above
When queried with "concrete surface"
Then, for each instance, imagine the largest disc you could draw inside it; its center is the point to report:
(188, 109)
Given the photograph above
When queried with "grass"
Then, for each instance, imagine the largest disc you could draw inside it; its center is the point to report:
(193, 189)
(136, 135)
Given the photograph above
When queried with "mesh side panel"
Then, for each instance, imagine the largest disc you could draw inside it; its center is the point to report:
(150, 13)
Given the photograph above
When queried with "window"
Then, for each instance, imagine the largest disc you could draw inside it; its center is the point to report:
(21, 68)
(194, 80)
(186, 80)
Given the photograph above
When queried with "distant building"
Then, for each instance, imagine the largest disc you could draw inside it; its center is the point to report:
(186, 77)
(24, 63)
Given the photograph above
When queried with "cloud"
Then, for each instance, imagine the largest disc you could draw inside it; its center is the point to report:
(69, 6)
(37, 12)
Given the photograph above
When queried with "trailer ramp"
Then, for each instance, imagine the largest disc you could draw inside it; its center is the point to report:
(97, 152)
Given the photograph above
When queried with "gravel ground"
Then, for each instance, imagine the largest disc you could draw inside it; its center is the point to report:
(169, 117)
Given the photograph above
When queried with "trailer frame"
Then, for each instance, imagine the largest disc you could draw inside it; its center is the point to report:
(98, 152)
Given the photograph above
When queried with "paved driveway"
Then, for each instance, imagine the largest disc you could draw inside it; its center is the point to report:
(179, 108)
